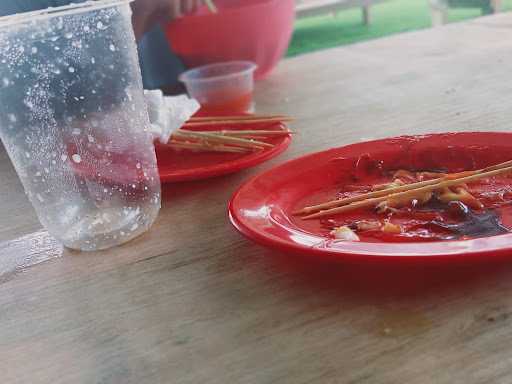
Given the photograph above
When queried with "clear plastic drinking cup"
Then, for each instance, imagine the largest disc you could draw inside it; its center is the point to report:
(222, 88)
(74, 122)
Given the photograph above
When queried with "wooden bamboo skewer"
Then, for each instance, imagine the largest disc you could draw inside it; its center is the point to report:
(206, 147)
(241, 118)
(245, 140)
(248, 137)
(385, 192)
(233, 122)
(244, 143)
(246, 133)
(370, 195)
(391, 193)
(198, 141)
(211, 6)
(498, 166)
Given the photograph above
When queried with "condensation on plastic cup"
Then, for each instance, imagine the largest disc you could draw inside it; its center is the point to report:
(65, 10)
(222, 88)
(75, 122)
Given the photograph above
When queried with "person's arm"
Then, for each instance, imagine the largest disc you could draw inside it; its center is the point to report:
(148, 13)
(10, 7)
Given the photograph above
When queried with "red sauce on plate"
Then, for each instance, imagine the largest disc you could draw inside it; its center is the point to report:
(434, 221)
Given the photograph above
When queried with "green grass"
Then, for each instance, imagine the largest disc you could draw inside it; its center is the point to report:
(393, 16)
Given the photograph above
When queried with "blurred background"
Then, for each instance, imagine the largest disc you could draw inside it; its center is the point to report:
(329, 23)
(264, 31)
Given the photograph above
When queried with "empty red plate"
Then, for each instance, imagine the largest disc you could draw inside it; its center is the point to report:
(262, 208)
(185, 165)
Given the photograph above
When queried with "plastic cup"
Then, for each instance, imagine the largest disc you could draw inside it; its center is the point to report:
(222, 88)
(74, 122)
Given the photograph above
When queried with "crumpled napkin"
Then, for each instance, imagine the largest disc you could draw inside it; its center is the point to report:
(168, 113)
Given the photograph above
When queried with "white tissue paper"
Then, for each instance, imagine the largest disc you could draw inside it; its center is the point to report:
(168, 113)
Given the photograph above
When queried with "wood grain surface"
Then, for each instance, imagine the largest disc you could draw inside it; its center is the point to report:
(194, 302)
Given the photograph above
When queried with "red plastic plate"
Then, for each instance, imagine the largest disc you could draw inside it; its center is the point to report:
(184, 165)
(262, 208)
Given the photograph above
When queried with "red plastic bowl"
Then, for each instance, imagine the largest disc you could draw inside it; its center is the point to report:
(253, 30)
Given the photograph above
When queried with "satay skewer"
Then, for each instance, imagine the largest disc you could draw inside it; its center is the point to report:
(373, 198)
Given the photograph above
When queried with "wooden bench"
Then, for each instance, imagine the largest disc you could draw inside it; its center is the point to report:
(306, 8)
(439, 10)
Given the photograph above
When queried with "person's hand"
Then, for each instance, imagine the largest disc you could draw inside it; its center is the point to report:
(178, 8)
(147, 13)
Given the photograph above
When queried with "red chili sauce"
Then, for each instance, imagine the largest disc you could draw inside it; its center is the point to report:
(431, 221)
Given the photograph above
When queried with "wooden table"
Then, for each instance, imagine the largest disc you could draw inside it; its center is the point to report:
(194, 302)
